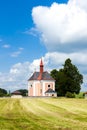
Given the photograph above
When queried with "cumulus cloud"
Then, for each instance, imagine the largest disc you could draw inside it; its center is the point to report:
(56, 60)
(16, 78)
(18, 75)
(82, 4)
(62, 24)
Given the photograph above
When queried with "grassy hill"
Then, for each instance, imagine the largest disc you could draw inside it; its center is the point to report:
(43, 114)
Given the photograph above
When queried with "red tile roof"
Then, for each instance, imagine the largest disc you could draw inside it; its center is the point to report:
(16, 92)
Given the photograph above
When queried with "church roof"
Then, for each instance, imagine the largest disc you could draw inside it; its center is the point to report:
(50, 91)
(16, 92)
(41, 76)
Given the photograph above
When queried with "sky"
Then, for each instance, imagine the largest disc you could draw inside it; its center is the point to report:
(53, 30)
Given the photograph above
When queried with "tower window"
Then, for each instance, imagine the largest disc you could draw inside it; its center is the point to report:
(40, 90)
(48, 86)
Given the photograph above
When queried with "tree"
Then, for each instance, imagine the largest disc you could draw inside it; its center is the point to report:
(23, 92)
(54, 74)
(74, 78)
(3, 92)
(68, 79)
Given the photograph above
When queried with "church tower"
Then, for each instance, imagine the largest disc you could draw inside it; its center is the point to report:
(41, 70)
(41, 66)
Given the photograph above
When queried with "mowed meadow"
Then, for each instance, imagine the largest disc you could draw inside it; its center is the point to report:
(43, 114)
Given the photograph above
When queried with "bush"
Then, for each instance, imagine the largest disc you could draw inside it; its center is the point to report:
(80, 95)
(1, 95)
(70, 95)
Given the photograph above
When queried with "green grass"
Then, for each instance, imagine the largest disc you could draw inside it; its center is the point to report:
(43, 114)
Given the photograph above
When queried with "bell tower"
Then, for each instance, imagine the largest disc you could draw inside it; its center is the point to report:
(41, 66)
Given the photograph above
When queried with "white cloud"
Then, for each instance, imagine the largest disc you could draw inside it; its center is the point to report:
(16, 78)
(33, 31)
(21, 48)
(84, 85)
(82, 4)
(56, 60)
(17, 53)
(62, 24)
(6, 46)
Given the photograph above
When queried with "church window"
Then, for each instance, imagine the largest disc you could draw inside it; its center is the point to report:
(48, 86)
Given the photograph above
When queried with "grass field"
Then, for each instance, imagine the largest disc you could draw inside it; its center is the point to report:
(43, 114)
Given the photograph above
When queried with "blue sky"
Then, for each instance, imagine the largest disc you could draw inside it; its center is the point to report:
(16, 19)
(29, 30)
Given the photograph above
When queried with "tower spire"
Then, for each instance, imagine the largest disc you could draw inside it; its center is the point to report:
(41, 66)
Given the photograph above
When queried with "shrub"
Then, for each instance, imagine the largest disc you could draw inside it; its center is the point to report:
(80, 95)
(1, 95)
(70, 95)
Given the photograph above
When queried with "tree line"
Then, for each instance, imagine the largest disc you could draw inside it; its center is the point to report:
(4, 92)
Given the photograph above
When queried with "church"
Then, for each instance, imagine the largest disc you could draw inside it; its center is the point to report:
(41, 83)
